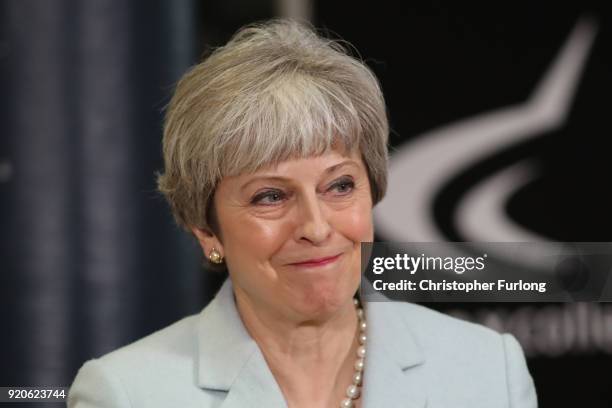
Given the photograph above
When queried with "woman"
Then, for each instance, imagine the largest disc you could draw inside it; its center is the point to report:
(275, 152)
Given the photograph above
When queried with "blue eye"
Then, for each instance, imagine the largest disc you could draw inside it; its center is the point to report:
(271, 197)
(268, 197)
(344, 186)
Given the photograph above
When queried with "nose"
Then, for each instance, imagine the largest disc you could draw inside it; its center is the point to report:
(313, 224)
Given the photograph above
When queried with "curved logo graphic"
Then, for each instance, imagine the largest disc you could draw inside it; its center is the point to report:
(420, 168)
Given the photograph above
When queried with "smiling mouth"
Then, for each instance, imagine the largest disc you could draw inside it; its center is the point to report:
(318, 262)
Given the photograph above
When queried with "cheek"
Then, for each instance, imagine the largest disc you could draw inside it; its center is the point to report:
(357, 225)
(253, 241)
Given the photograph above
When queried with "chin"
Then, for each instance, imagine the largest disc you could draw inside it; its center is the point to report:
(323, 299)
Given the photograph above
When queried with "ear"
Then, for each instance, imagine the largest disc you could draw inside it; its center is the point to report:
(207, 241)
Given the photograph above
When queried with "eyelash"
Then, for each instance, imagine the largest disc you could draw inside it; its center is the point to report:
(270, 193)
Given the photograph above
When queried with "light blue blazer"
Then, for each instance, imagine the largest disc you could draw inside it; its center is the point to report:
(416, 357)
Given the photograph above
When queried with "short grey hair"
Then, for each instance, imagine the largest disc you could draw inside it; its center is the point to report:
(276, 90)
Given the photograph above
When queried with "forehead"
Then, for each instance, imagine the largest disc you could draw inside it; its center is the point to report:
(330, 158)
(298, 167)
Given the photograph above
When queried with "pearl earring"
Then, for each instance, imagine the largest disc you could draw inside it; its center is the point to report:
(215, 256)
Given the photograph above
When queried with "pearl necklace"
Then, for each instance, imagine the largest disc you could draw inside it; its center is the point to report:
(353, 390)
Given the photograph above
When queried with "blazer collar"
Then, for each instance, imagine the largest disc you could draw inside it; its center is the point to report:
(394, 369)
(230, 360)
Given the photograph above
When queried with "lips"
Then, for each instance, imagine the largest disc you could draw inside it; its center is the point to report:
(318, 261)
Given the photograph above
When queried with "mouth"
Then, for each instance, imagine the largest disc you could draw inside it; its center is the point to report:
(317, 262)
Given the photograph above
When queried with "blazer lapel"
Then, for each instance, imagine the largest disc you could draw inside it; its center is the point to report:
(229, 360)
(255, 386)
(394, 369)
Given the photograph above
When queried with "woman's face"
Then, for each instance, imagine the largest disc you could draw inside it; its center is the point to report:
(276, 220)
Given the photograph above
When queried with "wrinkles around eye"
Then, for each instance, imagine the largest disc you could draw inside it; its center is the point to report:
(344, 187)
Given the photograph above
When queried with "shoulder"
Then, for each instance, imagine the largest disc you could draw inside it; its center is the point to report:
(470, 359)
(432, 328)
(441, 335)
(169, 347)
(134, 374)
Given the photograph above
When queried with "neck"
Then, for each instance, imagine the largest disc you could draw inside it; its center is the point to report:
(309, 358)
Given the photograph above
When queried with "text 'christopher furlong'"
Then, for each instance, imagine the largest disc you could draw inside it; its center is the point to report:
(444, 285)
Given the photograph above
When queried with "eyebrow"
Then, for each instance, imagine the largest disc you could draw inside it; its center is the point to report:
(280, 178)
